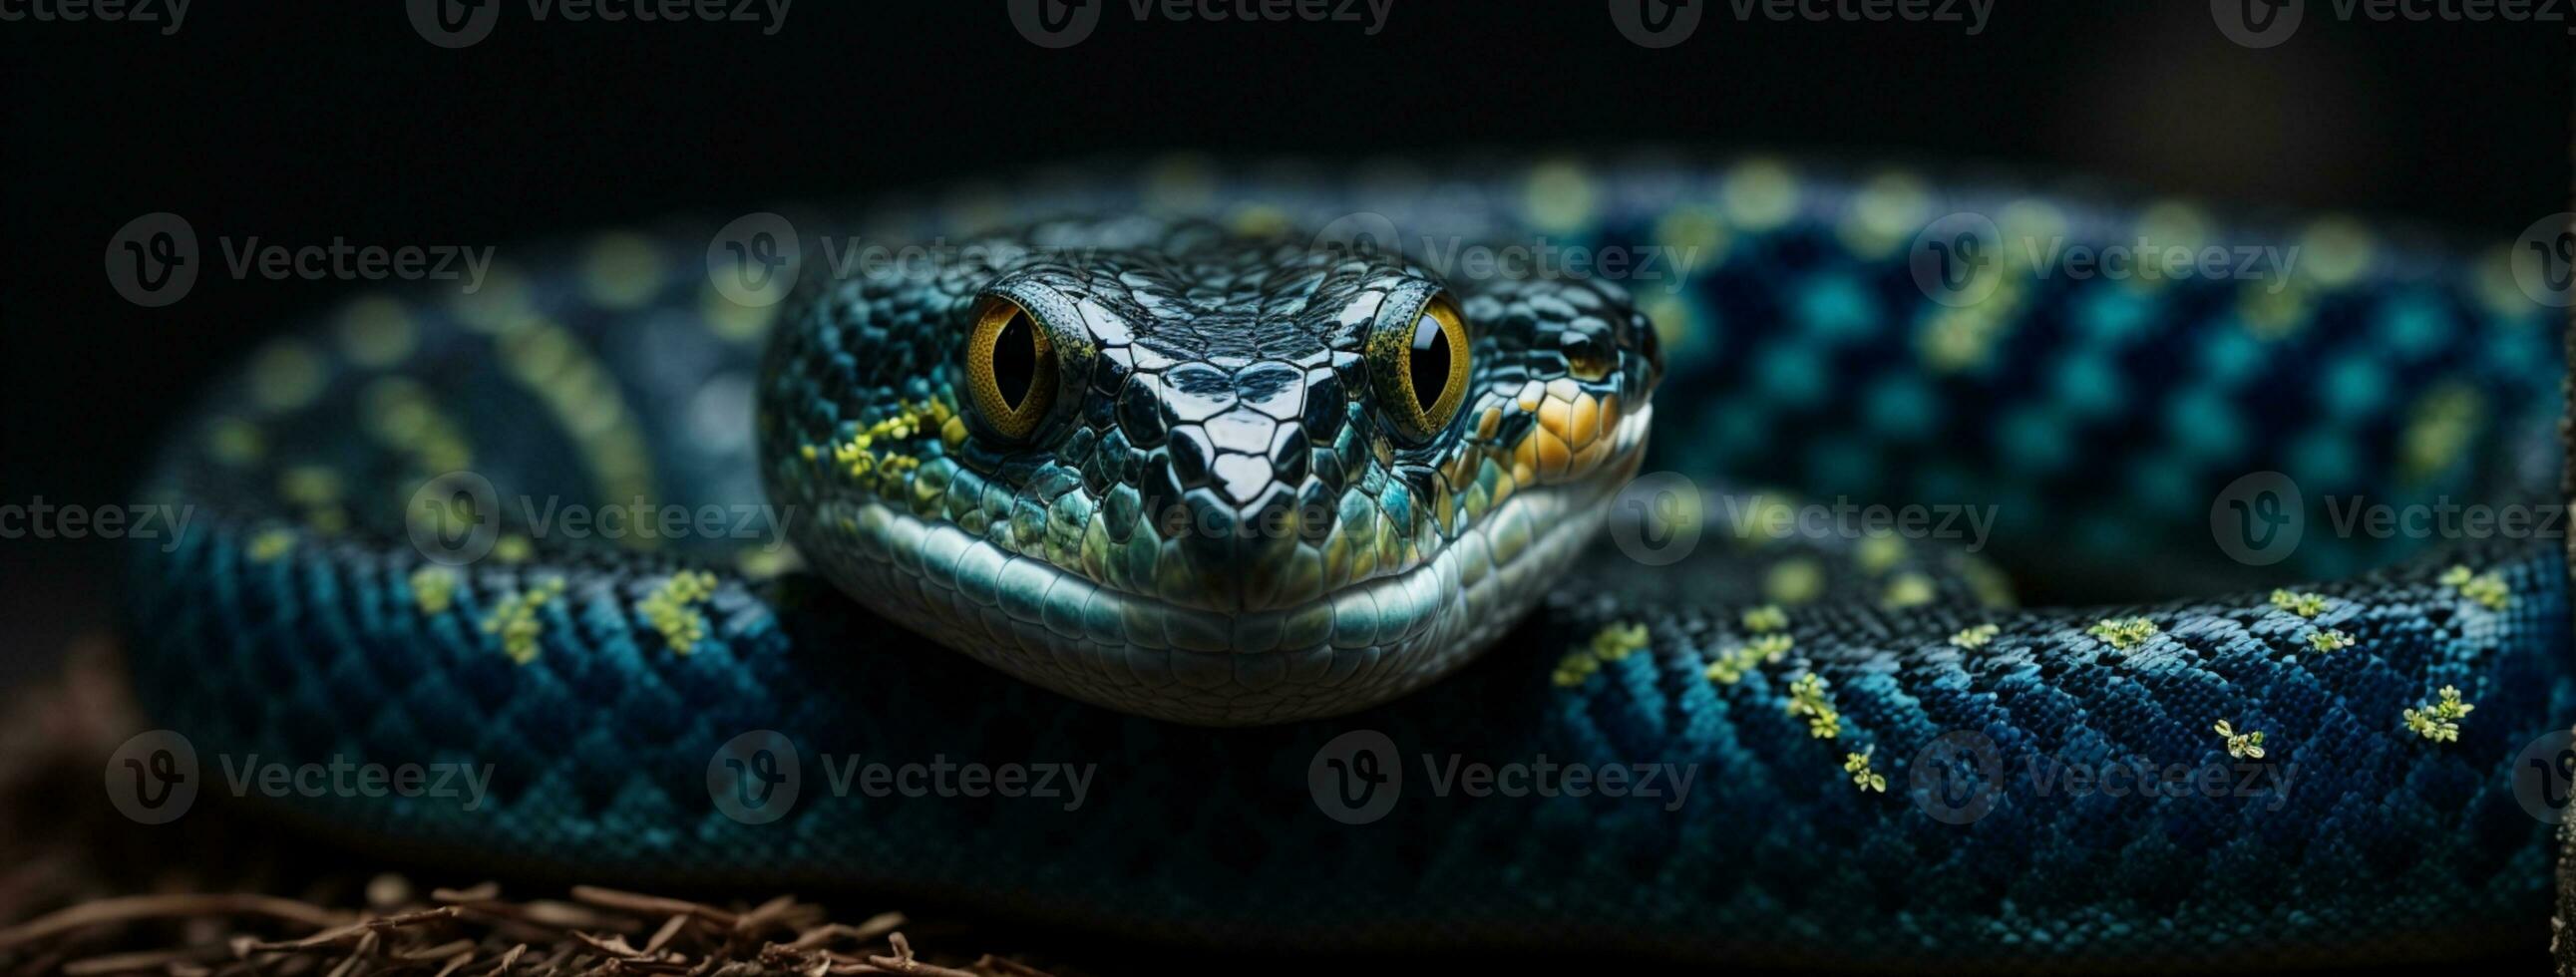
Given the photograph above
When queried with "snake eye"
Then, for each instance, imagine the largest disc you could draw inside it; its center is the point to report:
(1429, 375)
(1010, 368)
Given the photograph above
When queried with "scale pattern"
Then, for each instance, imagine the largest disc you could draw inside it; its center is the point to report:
(1805, 367)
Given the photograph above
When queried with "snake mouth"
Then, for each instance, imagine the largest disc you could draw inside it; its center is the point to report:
(1353, 646)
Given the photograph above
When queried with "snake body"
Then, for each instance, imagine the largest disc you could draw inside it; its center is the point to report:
(1834, 745)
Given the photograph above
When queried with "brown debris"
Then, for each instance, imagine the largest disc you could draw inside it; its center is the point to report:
(84, 892)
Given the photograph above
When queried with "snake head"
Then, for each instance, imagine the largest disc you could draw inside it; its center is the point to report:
(1197, 475)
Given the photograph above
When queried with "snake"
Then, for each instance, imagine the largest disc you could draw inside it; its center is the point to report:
(1709, 557)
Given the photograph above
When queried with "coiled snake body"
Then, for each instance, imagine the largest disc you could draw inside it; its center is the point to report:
(1152, 442)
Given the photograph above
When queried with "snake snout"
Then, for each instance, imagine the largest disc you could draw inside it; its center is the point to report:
(1204, 477)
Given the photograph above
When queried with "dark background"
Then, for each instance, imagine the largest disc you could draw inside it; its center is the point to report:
(298, 122)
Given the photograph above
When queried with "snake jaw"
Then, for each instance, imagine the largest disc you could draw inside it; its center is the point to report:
(1219, 523)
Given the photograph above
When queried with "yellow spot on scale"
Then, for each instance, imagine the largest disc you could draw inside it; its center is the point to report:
(2439, 721)
(1732, 664)
(235, 442)
(622, 270)
(1694, 234)
(1759, 194)
(2173, 224)
(433, 589)
(1885, 215)
(2488, 589)
(1909, 589)
(1879, 553)
(1259, 220)
(733, 321)
(2439, 429)
(2029, 226)
(1857, 764)
(1794, 581)
(2334, 251)
(1558, 196)
(514, 619)
(2124, 633)
(672, 609)
(513, 548)
(2301, 604)
(1975, 636)
(1180, 184)
(2243, 746)
(309, 485)
(377, 332)
(1810, 698)
(269, 544)
(499, 305)
(287, 375)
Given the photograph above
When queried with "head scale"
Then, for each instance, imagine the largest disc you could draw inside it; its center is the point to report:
(1199, 475)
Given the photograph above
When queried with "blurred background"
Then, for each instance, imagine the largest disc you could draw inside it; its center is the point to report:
(300, 123)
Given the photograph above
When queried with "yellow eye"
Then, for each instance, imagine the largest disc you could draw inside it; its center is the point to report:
(1010, 368)
(1426, 379)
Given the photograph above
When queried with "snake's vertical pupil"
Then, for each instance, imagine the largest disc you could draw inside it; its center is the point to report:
(1430, 362)
(1015, 360)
